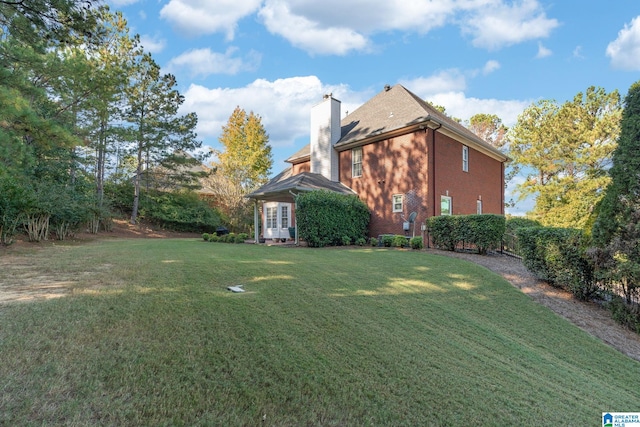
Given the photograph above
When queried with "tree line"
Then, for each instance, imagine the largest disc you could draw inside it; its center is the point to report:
(83, 108)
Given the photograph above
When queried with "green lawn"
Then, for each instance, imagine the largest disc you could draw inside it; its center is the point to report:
(150, 336)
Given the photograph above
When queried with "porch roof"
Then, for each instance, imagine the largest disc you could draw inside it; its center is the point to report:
(281, 187)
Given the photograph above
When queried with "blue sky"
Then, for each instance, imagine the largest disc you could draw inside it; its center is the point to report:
(278, 57)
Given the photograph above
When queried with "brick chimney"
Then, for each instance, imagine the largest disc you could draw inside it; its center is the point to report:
(325, 132)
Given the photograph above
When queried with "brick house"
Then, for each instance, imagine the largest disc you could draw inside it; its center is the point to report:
(402, 157)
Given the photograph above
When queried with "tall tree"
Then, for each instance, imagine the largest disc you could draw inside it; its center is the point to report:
(622, 195)
(566, 151)
(246, 159)
(156, 130)
(490, 128)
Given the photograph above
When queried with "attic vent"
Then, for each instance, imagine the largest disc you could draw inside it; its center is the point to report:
(387, 88)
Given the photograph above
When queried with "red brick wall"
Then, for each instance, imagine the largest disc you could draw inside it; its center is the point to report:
(393, 166)
(401, 166)
(301, 167)
(484, 180)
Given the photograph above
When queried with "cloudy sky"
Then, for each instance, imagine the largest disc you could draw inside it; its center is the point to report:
(278, 57)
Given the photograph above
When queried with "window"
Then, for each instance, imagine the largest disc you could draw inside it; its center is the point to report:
(465, 158)
(284, 217)
(445, 205)
(272, 217)
(356, 162)
(397, 203)
(479, 207)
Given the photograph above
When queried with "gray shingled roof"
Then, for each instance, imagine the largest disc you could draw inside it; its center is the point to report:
(393, 109)
(280, 187)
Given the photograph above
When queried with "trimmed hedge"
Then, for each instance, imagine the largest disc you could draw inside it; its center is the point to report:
(326, 218)
(559, 257)
(482, 231)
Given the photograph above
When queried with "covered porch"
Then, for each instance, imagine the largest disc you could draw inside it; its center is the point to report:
(282, 190)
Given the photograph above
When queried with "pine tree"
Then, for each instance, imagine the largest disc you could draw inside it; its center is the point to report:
(622, 196)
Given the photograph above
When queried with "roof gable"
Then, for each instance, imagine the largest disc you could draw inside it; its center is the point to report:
(396, 108)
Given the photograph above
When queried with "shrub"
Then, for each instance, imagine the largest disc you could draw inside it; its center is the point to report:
(373, 241)
(241, 237)
(214, 237)
(230, 238)
(482, 231)
(559, 256)
(325, 217)
(442, 232)
(416, 242)
(387, 240)
(399, 241)
(361, 241)
(205, 237)
(624, 313)
(346, 240)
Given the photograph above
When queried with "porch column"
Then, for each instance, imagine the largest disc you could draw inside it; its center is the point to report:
(256, 222)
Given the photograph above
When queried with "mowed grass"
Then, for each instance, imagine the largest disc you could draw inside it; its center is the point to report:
(150, 336)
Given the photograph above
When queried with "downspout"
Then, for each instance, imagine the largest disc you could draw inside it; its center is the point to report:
(433, 176)
(295, 206)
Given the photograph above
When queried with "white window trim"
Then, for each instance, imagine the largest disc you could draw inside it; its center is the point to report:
(393, 203)
(354, 163)
(465, 158)
(450, 205)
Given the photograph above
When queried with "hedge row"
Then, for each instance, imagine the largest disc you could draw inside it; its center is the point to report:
(326, 218)
(225, 238)
(481, 231)
(559, 257)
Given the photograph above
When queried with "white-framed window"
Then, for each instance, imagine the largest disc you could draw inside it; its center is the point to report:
(479, 207)
(465, 158)
(284, 216)
(272, 217)
(445, 205)
(398, 200)
(356, 162)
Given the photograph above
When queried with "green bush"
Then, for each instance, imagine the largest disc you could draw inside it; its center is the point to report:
(416, 242)
(484, 232)
(399, 241)
(559, 257)
(346, 240)
(205, 237)
(373, 241)
(361, 241)
(325, 217)
(214, 238)
(387, 240)
(241, 237)
(442, 230)
(624, 313)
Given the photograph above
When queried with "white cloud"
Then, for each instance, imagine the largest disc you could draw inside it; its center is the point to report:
(444, 81)
(198, 17)
(625, 50)
(490, 67)
(309, 35)
(497, 24)
(152, 44)
(204, 62)
(283, 104)
(457, 104)
(577, 53)
(543, 52)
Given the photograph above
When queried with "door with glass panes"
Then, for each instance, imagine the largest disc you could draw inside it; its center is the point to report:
(277, 220)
